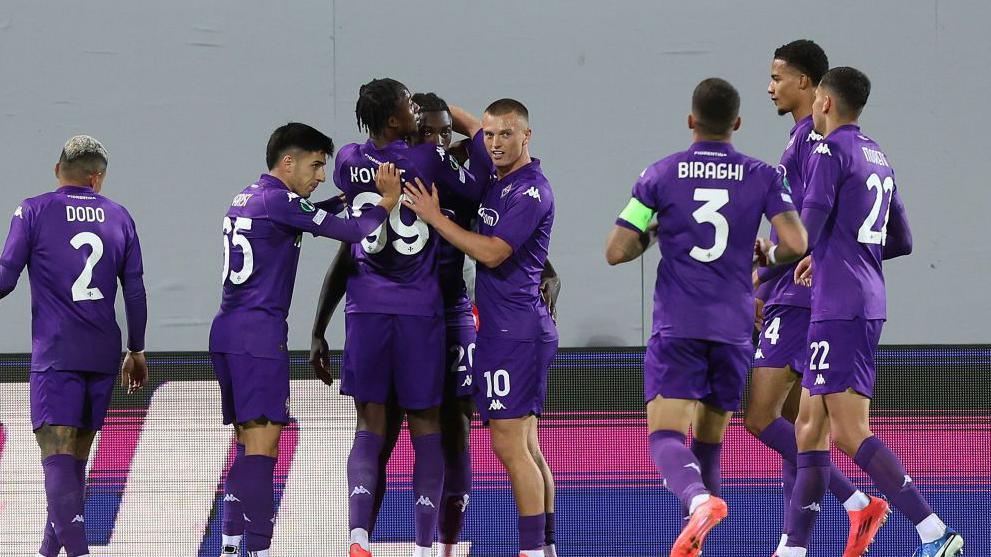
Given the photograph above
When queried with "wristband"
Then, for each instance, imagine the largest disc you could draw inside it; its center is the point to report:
(770, 255)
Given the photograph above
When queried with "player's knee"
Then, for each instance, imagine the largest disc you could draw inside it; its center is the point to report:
(424, 422)
(849, 441)
(756, 420)
(509, 445)
(56, 439)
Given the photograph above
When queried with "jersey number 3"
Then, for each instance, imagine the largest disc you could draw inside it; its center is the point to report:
(709, 213)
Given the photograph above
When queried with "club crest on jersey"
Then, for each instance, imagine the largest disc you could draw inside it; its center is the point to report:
(489, 216)
(534, 193)
(505, 190)
(822, 149)
(19, 212)
(306, 206)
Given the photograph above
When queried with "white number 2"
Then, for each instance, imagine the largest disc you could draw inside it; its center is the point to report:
(771, 332)
(816, 347)
(412, 237)
(497, 384)
(867, 234)
(80, 289)
(714, 200)
(234, 229)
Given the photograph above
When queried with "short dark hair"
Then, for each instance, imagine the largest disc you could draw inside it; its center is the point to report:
(850, 85)
(502, 107)
(82, 156)
(715, 104)
(805, 56)
(377, 100)
(430, 102)
(296, 136)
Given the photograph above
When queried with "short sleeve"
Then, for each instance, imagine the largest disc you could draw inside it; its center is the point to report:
(778, 198)
(642, 205)
(522, 217)
(822, 178)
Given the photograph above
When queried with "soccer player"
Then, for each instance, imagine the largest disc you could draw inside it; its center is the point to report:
(262, 233)
(395, 326)
(76, 244)
(517, 338)
(709, 201)
(775, 389)
(855, 219)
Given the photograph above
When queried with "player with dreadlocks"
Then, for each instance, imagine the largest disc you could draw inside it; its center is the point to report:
(394, 351)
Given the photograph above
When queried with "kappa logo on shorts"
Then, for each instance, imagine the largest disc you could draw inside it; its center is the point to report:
(814, 507)
(467, 382)
(229, 498)
(820, 380)
(496, 405)
(360, 490)
(425, 501)
(78, 518)
(759, 355)
(907, 480)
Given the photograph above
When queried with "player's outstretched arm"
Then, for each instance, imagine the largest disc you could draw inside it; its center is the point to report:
(464, 122)
(334, 286)
(793, 241)
(899, 238)
(490, 251)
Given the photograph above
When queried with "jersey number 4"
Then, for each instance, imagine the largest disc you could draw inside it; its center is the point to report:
(412, 237)
(709, 213)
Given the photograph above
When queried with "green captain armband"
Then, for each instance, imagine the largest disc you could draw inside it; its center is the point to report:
(637, 214)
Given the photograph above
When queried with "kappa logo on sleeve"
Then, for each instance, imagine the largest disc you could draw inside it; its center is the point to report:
(534, 193)
(813, 136)
(19, 212)
(822, 149)
(291, 196)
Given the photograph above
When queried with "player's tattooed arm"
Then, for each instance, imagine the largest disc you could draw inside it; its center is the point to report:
(550, 288)
(490, 251)
(334, 286)
(624, 245)
(464, 122)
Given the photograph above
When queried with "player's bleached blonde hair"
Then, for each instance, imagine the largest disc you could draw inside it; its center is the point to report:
(82, 146)
(83, 156)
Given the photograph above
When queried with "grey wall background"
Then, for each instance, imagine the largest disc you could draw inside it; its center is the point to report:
(185, 93)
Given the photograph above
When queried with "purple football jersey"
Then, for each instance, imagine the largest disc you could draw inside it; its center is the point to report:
(781, 290)
(76, 245)
(458, 191)
(397, 265)
(262, 232)
(850, 180)
(709, 201)
(518, 209)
